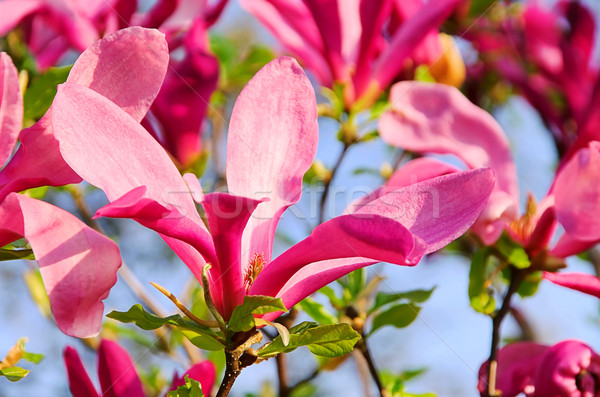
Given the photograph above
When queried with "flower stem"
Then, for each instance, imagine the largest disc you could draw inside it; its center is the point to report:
(327, 182)
(232, 371)
(515, 281)
(364, 349)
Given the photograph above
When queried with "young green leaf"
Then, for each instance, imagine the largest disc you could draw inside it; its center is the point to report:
(326, 340)
(242, 318)
(14, 374)
(191, 388)
(481, 300)
(399, 316)
(41, 92)
(317, 311)
(414, 296)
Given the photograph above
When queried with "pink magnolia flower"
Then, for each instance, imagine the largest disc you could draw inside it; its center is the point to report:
(181, 104)
(567, 369)
(549, 55)
(118, 376)
(347, 41)
(52, 27)
(272, 141)
(78, 265)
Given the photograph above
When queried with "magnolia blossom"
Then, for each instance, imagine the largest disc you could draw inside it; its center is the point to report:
(78, 265)
(179, 109)
(363, 44)
(118, 376)
(567, 369)
(272, 141)
(52, 27)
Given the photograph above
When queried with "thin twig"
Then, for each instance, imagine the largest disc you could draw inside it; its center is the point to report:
(515, 281)
(364, 349)
(327, 182)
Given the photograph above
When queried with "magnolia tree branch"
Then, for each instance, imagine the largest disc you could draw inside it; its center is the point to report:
(328, 180)
(364, 350)
(517, 277)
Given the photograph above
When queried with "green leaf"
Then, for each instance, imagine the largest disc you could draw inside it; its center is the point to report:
(14, 374)
(356, 281)
(325, 340)
(147, 321)
(399, 316)
(317, 311)
(203, 341)
(191, 388)
(35, 358)
(514, 253)
(242, 318)
(140, 317)
(369, 136)
(331, 295)
(530, 285)
(41, 92)
(414, 296)
(7, 254)
(481, 299)
(422, 74)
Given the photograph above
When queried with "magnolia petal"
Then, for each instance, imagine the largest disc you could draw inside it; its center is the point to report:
(78, 265)
(577, 195)
(181, 104)
(275, 114)
(582, 282)
(409, 35)
(204, 372)
(292, 24)
(417, 170)
(127, 67)
(315, 276)
(438, 210)
(564, 368)
(326, 15)
(80, 384)
(116, 371)
(369, 236)
(568, 245)
(11, 106)
(227, 217)
(436, 118)
(13, 11)
(112, 151)
(37, 162)
(517, 364)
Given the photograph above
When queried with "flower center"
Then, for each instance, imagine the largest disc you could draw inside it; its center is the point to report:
(257, 263)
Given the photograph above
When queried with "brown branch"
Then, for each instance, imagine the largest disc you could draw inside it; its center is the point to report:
(327, 182)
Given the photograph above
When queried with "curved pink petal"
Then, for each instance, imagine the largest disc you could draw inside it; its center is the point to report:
(80, 384)
(203, 372)
(37, 161)
(181, 104)
(436, 118)
(582, 282)
(272, 141)
(96, 139)
(292, 24)
(577, 194)
(326, 14)
(409, 35)
(11, 107)
(78, 264)
(568, 245)
(399, 227)
(517, 364)
(127, 67)
(227, 216)
(438, 210)
(347, 236)
(417, 170)
(13, 11)
(116, 371)
(569, 368)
